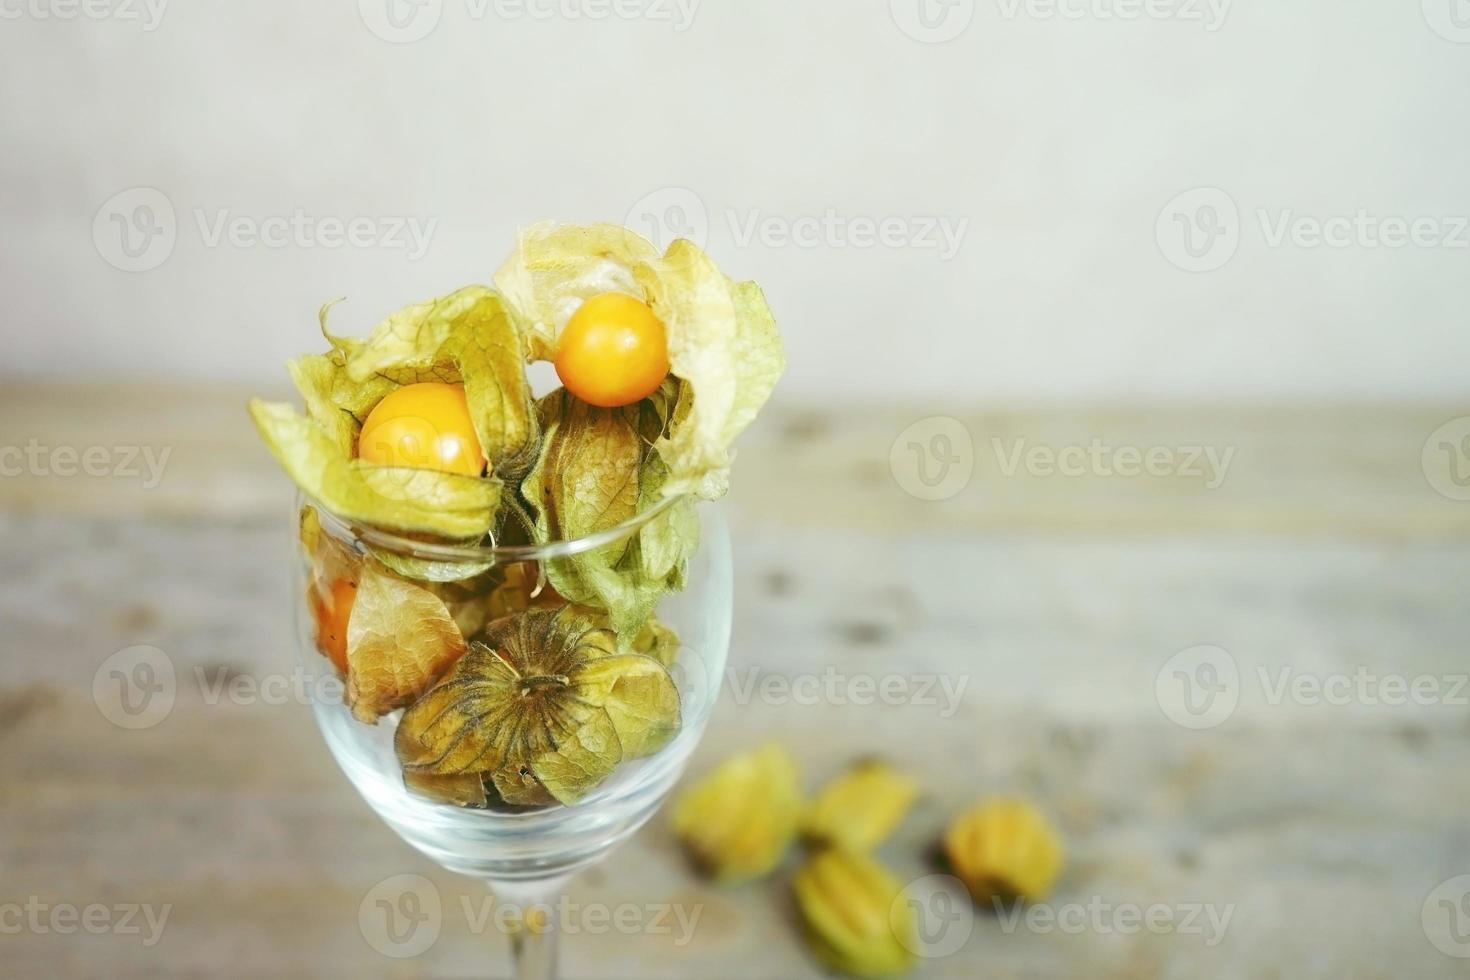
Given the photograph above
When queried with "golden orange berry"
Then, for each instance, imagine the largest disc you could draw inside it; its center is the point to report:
(331, 612)
(613, 351)
(424, 426)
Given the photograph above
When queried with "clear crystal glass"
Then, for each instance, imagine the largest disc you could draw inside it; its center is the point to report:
(527, 855)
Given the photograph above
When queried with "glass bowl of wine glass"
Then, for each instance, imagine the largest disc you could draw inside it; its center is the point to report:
(513, 832)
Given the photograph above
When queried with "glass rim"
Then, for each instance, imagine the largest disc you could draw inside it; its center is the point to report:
(403, 545)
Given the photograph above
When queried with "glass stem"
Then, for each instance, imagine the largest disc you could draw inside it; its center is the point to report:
(533, 944)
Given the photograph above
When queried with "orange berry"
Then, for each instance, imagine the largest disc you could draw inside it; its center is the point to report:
(424, 426)
(331, 613)
(613, 351)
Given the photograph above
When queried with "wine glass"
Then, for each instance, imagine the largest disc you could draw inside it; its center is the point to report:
(527, 855)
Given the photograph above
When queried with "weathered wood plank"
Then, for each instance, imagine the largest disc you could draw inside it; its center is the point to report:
(1324, 828)
(1048, 605)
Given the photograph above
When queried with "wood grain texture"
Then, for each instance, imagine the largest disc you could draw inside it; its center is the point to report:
(1048, 606)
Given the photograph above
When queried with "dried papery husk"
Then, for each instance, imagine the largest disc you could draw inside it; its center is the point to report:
(542, 699)
(853, 917)
(861, 807)
(1004, 849)
(739, 820)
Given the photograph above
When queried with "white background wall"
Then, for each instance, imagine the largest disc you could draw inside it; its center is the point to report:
(1056, 137)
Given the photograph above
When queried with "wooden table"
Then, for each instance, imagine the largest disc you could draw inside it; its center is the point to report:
(1321, 827)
